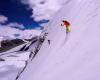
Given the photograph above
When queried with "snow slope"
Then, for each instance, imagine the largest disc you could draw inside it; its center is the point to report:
(13, 63)
(74, 56)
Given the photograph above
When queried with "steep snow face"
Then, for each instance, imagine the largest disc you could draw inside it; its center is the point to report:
(73, 56)
(12, 63)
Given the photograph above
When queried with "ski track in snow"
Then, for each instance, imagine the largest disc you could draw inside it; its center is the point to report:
(65, 40)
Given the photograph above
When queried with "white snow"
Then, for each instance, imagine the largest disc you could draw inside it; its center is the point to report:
(77, 57)
(13, 64)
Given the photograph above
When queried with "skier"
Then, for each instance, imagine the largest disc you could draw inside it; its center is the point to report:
(49, 42)
(66, 24)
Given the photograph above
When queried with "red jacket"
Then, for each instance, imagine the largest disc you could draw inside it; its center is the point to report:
(66, 23)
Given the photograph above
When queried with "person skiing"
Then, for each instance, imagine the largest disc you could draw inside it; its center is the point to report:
(66, 24)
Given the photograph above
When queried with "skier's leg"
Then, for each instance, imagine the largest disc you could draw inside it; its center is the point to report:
(67, 30)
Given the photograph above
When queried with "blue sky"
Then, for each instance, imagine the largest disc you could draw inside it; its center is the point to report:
(17, 12)
(25, 16)
(29, 12)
